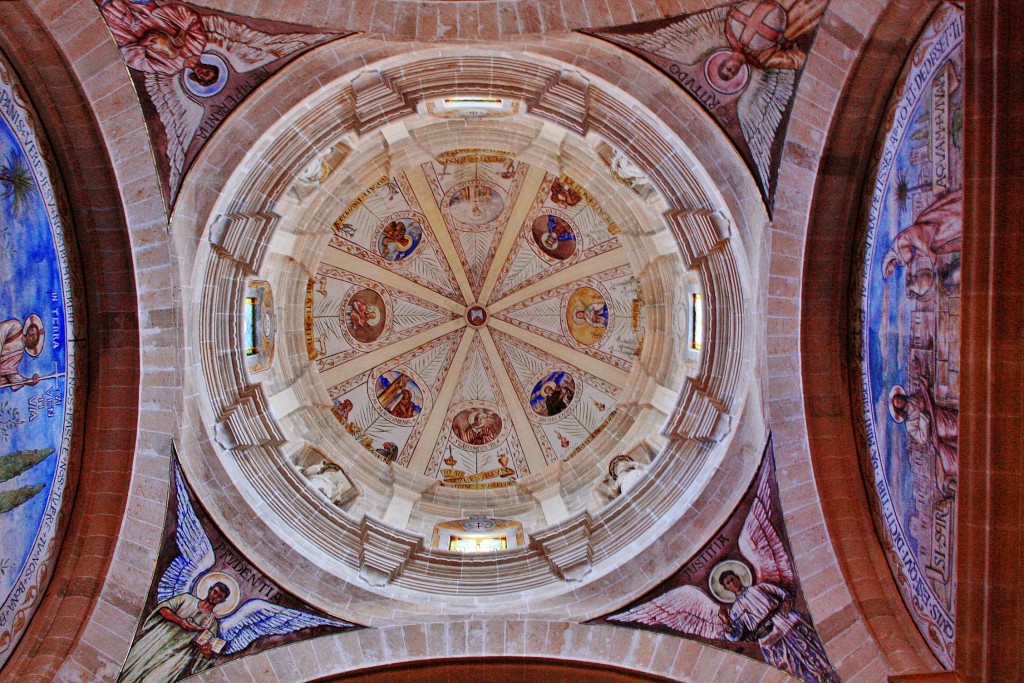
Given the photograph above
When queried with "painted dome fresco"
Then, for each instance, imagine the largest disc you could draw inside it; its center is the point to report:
(475, 318)
(462, 324)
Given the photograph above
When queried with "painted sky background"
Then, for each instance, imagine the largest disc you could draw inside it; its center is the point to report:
(30, 282)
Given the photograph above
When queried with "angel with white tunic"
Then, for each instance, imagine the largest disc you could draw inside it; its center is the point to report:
(185, 633)
(229, 46)
(750, 48)
(754, 606)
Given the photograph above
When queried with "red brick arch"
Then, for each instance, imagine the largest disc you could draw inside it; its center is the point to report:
(102, 460)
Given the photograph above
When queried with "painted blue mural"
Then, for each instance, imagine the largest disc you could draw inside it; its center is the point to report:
(910, 319)
(36, 373)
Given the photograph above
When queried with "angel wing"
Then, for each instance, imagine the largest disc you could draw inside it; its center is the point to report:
(685, 609)
(180, 116)
(687, 40)
(760, 110)
(247, 49)
(258, 618)
(760, 542)
(196, 556)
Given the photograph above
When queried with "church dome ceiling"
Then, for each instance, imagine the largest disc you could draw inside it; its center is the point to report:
(461, 317)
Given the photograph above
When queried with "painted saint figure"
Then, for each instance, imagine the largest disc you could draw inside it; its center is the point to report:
(399, 239)
(168, 648)
(17, 339)
(933, 427)
(937, 230)
(752, 602)
(477, 427)
(554, 236)
(185, 634)
(362, 316)
(405, 408)
(764, 612)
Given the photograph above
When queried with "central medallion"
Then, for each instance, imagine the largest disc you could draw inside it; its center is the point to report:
(476, 315)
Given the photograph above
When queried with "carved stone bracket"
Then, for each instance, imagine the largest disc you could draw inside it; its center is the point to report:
(384, 551)
(698, 232)
(565, 100)
(567, 547)
(377, 100)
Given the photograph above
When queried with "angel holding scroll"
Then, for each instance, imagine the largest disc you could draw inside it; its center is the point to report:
(185, 634)
(751, 605)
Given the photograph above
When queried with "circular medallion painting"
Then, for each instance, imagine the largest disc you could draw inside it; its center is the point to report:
(364, 315)
(208, 77)
(399, 238)
(586, 316)
(554, 236)
(476, 426)
(553, 393)
(399, 395)
(475, 203)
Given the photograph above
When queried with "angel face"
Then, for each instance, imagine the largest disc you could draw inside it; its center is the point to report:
(732, 583)
(205, 74)
(217, 594)
(728, 69)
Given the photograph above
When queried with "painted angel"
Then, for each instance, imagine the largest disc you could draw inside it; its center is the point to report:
(750, 606)
(748, 48)
(229, 46)
(197, 616)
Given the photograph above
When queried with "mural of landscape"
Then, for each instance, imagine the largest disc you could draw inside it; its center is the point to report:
(208, 605)
(192, 66)
(741, 591)
(741, 61)
(36, 371)
(910, 319)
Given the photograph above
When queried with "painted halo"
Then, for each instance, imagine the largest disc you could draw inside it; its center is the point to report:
(554, 236)
(364, 315)
(715, 578)
(587, 316)
(200, 90)
(547, 385)
(398, 396)
(715, 80)
(897, 390)
(206, 581)
(478, 426)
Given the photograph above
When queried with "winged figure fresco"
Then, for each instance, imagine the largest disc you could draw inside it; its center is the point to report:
(749, 596)
(195, 67)
(200, 616)
(741, 61)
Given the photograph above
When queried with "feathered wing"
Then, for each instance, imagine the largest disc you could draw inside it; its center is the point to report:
(247, 49)
(761, 544)
(258, 618)
(180, 116)
(688, 40)
(685, 609)
(760, 110)
(196, 556)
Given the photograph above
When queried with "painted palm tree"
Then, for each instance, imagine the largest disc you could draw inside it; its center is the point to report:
(16, 182)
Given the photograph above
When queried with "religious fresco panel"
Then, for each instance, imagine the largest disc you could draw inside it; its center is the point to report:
(192, 66)
(909, 320)
(208, 605)
(742, 62)
(37, 370)
(740, 592)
